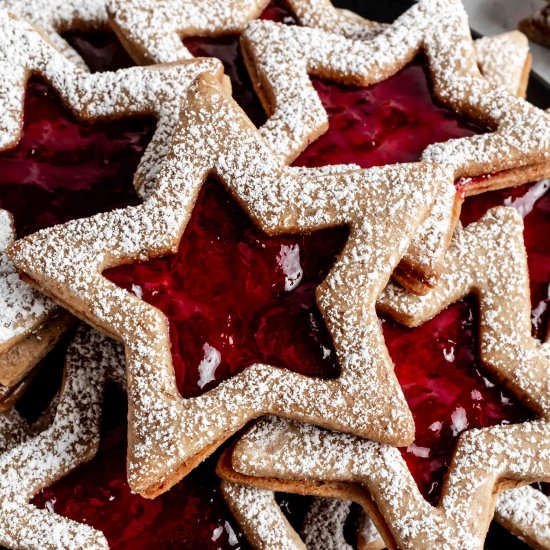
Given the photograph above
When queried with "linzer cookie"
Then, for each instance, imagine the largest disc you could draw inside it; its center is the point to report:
(281, 75)
(510, 50)
(286, 456)
(38, 454)
(507, 349)
(170, 435)
(503, 59)
(28, 329)
(524, 511)
(151, 91)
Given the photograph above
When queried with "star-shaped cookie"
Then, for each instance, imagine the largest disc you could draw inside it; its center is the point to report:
(503, 59)
(284, 456)
(524, 511)
(282, 58)
(170, 435)
(486, 461)
(36, 455)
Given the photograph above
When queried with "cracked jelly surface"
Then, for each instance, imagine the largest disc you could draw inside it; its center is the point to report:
(269, 282)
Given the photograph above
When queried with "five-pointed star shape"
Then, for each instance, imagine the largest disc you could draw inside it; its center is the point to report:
(287, 456)
(33, 456)
(169, 435)
(91, 97)
(281, 59)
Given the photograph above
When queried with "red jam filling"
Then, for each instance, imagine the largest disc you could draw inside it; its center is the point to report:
(250, 297)
(64, 169)
(235, 297)
(192, 515)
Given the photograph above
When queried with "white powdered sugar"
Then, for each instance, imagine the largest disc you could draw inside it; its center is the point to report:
(137, 91)
(488, 258)
(281, 59)
(526, 512)
(215, 136)
(285, 450)
(153, 30)
(21, 307)
(57, 16)
(66, 436)
(276, 449)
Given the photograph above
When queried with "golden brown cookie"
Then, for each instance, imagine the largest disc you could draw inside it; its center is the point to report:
(281, 59)
(152, 31)
(55, 17)
(33, 456)
(285, 456)
(25, 331)
(170, 435)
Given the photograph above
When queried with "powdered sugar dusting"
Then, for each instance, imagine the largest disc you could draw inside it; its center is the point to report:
(21, 307)
(488, 258)
(323, 525)
(153, 30)
(281, 59)
(216, 137)
(526, 512)
(285, 450)
(288, 451)
(56, 16)
(65, 437)
(260, 517)
(137, 91)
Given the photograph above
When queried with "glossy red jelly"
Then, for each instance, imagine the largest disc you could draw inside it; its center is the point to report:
(234, 296)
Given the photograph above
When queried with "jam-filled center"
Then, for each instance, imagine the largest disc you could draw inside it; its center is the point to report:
(63, 168)
(235, 296)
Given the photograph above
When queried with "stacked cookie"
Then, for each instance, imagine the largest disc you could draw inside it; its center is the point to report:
(406, 257)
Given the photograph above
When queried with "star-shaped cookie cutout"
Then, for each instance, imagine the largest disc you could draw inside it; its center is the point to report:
(36, 455)
(288, 456)
(152, 32)
(54, 17)
(524, 511)
(503, 59)
(169, 435)
(282, 58)
(27, 333)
